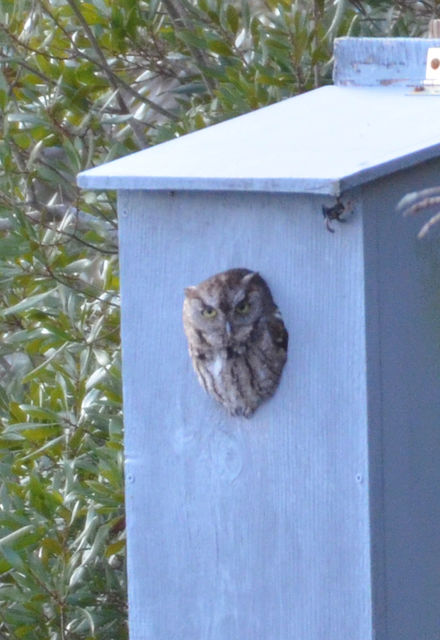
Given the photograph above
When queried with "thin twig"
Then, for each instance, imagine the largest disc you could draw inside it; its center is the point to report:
(114, 79)
(85, 287)
(180, 20)
(426, 203)
(426, 227)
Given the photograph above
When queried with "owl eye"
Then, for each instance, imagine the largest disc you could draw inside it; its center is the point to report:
(243, 308)
(209, 312)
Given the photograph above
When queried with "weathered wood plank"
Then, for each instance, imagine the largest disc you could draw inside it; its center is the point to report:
(245, 529)
(322, 142)
(318, 518)
(372, 62)
(403, 362)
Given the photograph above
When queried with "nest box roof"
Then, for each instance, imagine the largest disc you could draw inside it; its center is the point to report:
(373, 122)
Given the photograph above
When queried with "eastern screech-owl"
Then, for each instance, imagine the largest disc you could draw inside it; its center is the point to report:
(236, 337)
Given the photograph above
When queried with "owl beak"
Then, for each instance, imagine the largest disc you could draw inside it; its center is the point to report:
(228, 328)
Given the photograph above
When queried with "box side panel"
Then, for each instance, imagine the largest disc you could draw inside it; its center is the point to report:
(403, 355)
(245, 529)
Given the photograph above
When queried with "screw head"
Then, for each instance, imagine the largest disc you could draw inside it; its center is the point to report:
(435, 63)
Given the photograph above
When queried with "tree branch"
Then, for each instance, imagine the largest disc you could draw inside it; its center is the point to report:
(180, 20)
(115, 81)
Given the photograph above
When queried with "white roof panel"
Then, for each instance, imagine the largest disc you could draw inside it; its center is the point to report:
(323, 142)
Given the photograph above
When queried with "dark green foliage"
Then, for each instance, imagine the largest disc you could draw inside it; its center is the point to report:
(82, 83)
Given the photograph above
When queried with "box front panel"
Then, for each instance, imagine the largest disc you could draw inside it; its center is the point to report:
(245, 529)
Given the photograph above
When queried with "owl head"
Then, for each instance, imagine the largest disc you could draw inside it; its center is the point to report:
(225, 307)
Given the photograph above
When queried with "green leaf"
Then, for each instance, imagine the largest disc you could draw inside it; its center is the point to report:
(39, 432)
(232, 18)
(114, 548)
(92, 14)
(17, 413)
(30, 302)
(15, 535)
(220, 47)
(12, 558)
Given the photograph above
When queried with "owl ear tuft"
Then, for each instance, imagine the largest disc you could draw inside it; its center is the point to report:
(248, 277)
(190, 292)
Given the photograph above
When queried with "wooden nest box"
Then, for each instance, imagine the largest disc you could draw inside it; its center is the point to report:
(318, 518)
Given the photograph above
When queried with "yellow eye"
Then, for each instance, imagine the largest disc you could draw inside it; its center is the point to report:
(209, 312)
(243, 308)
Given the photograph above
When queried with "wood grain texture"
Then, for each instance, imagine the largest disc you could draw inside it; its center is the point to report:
(318, 518)
(372, 62)
(245, 529)
(403, 358)
(322, 142)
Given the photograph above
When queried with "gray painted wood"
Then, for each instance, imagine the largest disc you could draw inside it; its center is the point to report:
(370, 62)
(322, 142)
(318, 518)
(402, 276)
(245, 529)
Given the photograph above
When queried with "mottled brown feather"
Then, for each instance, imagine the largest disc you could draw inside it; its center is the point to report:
(236, 338)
